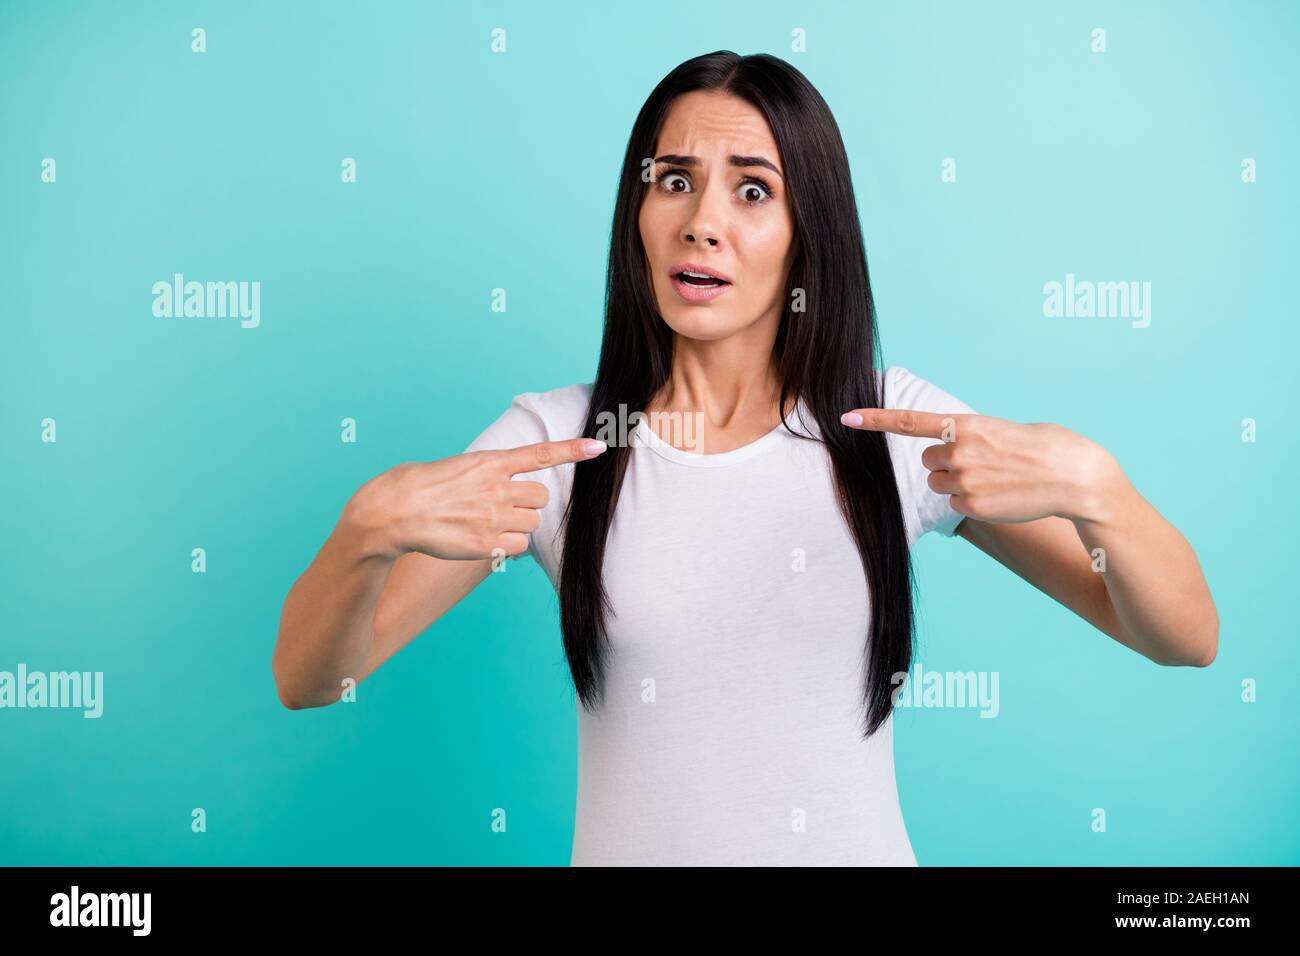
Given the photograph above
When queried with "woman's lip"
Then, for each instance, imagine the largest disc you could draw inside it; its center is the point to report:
(697, 293)
(699, 269)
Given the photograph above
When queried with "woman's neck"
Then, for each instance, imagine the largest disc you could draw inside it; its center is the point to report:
(733, 391)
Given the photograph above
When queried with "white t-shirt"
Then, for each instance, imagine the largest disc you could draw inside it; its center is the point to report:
(730, 732)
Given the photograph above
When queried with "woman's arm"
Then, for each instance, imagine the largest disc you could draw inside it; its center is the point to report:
(1160, 608)
(410, 544)
(1057, 509)
(351, 610)
(326, 621)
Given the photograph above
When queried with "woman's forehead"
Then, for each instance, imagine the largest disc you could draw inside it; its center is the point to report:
(699, 124)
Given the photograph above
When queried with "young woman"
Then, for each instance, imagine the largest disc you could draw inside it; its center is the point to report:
(736, 612)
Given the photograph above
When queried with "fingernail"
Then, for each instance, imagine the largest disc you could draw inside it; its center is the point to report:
(593, 446)
(851, 418)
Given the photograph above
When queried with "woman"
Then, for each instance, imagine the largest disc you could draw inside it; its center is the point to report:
(736, 612)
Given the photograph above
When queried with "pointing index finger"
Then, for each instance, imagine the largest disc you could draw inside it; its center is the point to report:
(548, 454)
(902, 421)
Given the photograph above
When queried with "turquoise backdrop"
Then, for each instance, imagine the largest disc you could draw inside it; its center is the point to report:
(479, 169)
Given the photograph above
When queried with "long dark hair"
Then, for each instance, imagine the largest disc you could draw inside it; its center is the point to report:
(826, 355)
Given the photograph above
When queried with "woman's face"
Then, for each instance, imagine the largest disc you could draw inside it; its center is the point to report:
(717, 203)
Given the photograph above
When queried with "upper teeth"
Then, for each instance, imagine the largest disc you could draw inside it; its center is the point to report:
(699, 275)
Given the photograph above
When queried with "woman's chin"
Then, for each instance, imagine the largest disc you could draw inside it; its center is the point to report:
(702, 324)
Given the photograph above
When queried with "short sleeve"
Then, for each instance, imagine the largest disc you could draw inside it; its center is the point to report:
(520, 424)
(931, 510)
(535, 417)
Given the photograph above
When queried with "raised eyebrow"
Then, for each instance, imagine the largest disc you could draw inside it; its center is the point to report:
(733, 160)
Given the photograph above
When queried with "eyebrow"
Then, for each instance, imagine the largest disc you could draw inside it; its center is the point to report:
(732, 160)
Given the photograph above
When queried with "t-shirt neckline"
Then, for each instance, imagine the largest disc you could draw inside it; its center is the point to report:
(644, 436)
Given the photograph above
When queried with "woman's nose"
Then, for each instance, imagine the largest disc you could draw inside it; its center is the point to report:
(704, 225)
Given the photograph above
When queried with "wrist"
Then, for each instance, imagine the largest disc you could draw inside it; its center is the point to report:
(1100, 491)
(362, 531)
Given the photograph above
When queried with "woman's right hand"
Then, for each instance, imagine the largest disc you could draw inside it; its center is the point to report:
(464, 507)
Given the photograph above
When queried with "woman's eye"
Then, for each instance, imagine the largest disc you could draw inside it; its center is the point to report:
(667, 177)
(751, 184)
(746, 190)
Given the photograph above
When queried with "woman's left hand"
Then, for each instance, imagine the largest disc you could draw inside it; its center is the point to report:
(1003, 471)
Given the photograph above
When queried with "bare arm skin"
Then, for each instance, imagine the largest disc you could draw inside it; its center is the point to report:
(1172, 627)
(410, 544)
(354, 611)
(1041, 500)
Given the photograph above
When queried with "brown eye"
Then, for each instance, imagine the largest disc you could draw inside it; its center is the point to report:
(754, 184)
(745, 191)
(665, 179)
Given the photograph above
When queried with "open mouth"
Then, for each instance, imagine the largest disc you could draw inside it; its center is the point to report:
(700, 280)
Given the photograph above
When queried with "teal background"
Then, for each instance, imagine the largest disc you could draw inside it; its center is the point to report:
(478, 170)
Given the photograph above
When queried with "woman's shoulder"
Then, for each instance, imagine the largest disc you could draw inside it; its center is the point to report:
(552, 415)
(903, 388)
(562, 410)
